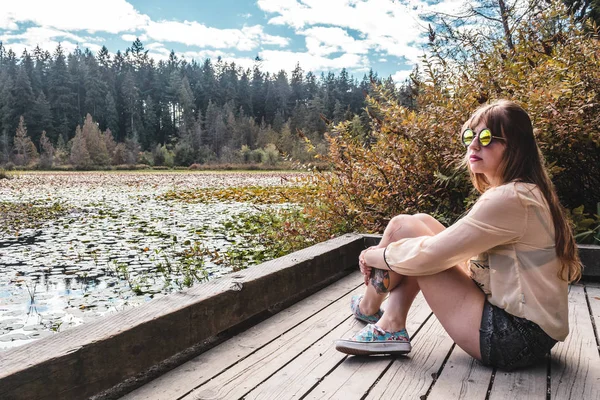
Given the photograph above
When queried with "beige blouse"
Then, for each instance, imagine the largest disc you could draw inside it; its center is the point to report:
(507, 239)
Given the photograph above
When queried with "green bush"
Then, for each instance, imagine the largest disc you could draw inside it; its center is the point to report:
(184, 155)
(163, 156)
(270, 155)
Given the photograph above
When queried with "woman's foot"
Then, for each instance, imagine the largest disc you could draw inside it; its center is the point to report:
(373, 340)
(355, 307)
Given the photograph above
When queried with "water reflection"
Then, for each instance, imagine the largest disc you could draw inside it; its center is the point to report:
(66, 273)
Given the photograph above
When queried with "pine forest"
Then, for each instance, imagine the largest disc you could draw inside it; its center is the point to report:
(99, 110)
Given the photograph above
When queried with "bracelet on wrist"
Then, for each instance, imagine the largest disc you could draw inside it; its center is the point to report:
(386, 263)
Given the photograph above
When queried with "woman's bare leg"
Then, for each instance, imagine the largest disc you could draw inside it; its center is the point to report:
(384, 282)
(453, 297)
(457, 303)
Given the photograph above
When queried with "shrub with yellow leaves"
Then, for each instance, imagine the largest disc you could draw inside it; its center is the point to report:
(410, 160)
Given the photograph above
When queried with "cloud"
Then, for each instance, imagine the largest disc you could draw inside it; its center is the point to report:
(327, 40)
(401, 76)
(276, 60)
(337, 33)
(154, 45)
(120, 17)
(7, 23)
(197, 34)
(131, 38)
(112, 16)
(393, 28)
(48, 39)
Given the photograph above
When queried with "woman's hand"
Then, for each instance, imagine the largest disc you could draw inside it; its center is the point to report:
(369, 259)
(364, 268)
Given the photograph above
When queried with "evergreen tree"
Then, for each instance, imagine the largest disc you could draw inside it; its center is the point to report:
(23, 100)
(111, 117)
(173, 106)
(281, 89)
(297, 86)
(215, 128)
(258, 93)
(245, 93)
(150, 121)
(41, 114)
(207, 86)
(103, 57)
(7, 113)
(47, 151)
(271, 100)
(143, 103)
(95, 89)
(342, 88)
(228, 82)
(138, 54)
(186, 104)
(312, 88)
(28, 65)
(77, 73)
(41, 71)
(61, 94)
(24, 149)
(131, 109)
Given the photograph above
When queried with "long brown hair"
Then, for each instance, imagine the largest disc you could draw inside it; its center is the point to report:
(523, 162)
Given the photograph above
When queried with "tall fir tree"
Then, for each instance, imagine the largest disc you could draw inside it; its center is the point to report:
(23, 102)
(60, 95)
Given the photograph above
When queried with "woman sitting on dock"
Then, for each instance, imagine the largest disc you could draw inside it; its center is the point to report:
(497, 280)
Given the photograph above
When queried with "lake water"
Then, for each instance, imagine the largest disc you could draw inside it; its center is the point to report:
(66, 271)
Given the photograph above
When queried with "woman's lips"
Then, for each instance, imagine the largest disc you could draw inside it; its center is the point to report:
(473, 158)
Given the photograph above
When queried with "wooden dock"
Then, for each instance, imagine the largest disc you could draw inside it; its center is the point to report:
(291, 355)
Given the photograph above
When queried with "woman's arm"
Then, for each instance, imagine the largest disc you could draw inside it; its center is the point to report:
(497, 218)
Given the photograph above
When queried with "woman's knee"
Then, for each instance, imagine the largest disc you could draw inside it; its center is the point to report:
(402, 220)
(406, 225)
(432, 223)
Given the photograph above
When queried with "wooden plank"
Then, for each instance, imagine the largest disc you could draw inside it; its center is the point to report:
(575, 368)
(410, 377)
(191, 374)
(528, 383)
(304, 372)
(86, 360)
(463, 377)
(353, 378)
(299, 376)
(593, 295)
(245, 375)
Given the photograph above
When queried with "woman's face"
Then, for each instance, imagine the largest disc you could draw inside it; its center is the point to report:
(486, 160)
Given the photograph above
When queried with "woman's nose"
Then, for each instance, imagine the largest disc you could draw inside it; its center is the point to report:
(474, 144)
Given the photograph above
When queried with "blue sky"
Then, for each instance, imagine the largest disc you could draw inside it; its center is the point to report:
(322, 35)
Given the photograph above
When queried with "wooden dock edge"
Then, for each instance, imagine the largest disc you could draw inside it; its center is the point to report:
(92, 358)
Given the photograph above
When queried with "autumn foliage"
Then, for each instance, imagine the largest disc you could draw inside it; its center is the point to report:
(410, 161)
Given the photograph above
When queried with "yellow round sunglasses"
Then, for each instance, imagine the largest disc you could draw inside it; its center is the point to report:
(485, 137)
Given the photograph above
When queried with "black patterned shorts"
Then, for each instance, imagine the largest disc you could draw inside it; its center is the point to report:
(510, 342)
